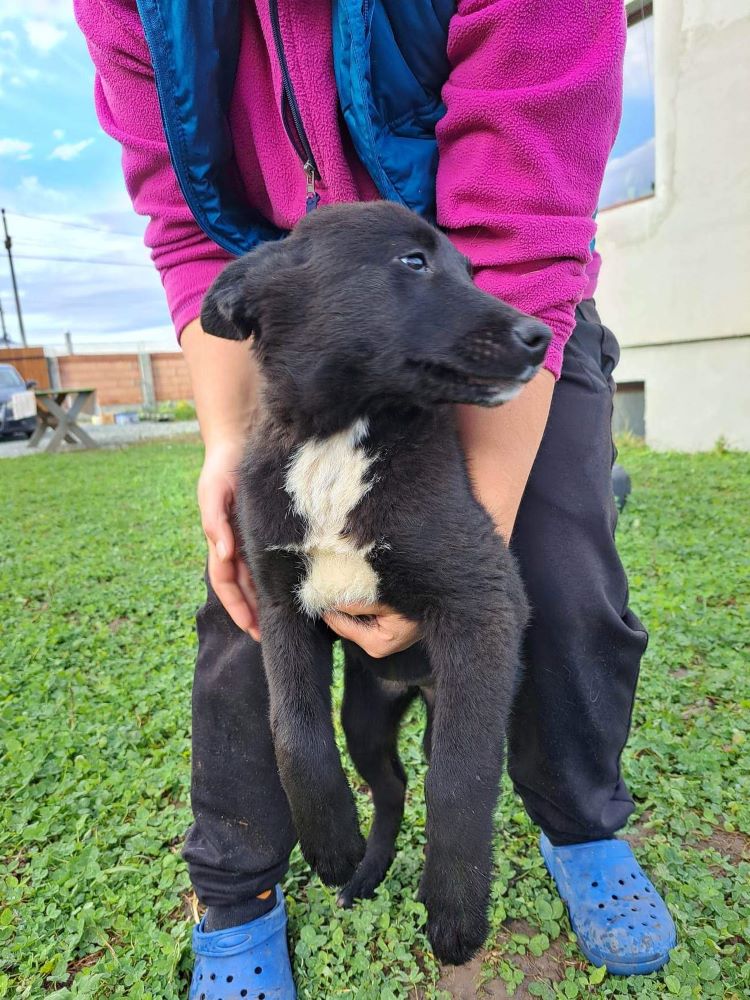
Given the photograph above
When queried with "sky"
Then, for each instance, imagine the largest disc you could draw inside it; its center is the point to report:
(61, 185)
(630, 171)
(57, 165)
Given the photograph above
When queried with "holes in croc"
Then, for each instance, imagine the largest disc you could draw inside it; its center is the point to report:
(601, 906)
(230, 978)
(614, 897)
(261, 996)
(243, 993)
(621, 881)
(258, 970)
(594, 885)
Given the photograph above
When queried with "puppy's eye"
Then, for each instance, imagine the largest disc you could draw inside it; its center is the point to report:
(415, 261)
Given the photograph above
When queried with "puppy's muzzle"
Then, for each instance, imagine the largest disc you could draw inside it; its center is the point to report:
(515, 352)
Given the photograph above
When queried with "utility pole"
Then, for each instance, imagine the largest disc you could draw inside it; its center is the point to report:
(8, 245)
(6, 338)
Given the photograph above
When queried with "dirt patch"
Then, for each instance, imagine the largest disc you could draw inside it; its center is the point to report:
(83, 963)
(15, 862)
(734, 845)
(463, 982)
(638, 833)
(116, 624)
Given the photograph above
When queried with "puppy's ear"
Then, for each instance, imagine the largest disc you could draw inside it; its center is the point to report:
(232, 305)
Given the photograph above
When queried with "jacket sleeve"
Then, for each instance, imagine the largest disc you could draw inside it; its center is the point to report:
(532, 109)
(127, 106)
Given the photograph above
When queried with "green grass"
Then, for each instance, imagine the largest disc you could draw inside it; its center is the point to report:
(100, 574)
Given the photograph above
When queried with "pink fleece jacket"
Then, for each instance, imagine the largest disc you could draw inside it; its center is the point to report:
(532, 109)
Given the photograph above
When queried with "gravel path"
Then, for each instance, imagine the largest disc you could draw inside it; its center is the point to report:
(107, 435)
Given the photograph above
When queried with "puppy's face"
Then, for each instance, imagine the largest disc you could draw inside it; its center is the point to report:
(368, 304)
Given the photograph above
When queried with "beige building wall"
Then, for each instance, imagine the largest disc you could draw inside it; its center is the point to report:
(675, 285)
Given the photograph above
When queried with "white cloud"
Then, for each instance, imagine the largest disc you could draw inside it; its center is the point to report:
(14, 147)
(48, 10)
(69, 150)
(629, 176)
(638, 69)
(33, 194)
(43, 35)
(9, 38)
(104, 305)
(58, 133)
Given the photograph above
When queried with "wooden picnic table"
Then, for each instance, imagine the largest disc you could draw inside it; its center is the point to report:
(63, 422)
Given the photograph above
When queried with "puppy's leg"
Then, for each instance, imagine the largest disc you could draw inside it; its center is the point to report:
(428, 697)
(473, 671)
(297, 658)
(371, 714)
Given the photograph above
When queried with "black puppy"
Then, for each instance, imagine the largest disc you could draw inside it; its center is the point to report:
(367, 327)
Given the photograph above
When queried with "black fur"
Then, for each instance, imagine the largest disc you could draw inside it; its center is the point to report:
(348, 324)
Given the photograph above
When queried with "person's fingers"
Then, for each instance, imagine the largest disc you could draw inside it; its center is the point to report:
(215, 501)
(224, 540)
(368, 635)
(247, 586)
(366, 610)
(218, 530)
(379, 636)
(223, 577)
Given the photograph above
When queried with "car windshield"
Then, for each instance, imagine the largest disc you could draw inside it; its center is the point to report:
(10, 379)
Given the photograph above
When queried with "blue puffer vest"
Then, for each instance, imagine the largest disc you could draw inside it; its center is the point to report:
(390, 63)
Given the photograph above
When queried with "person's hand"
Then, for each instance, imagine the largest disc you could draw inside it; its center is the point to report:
(377, 629)
(227, 571)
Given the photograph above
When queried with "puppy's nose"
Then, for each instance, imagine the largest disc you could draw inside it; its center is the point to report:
(534, 336)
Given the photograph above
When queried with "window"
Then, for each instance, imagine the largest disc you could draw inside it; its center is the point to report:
(9, 378)
(629, 415)
(630, 171)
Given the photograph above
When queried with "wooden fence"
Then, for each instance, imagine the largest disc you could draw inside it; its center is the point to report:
(30, 362)
(120, 380)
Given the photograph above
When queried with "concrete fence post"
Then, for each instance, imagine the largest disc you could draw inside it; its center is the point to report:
(148, 394)
(53, 368)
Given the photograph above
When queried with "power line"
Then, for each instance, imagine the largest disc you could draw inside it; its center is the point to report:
(74, 225)
(81, 260)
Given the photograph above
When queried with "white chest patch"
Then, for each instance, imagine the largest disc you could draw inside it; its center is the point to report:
(326, 480)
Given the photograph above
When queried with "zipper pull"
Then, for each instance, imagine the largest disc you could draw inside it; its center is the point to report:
(311, 202)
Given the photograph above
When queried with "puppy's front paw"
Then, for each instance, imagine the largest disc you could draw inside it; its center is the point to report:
(457, 903)
(335, 859)
(365, 880)
(455, 934)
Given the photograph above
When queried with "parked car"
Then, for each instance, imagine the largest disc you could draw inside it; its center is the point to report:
(11, 382)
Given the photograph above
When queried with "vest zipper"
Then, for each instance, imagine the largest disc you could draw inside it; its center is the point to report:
(299, 141)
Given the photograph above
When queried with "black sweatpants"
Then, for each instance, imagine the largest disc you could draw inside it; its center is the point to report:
(582, 654)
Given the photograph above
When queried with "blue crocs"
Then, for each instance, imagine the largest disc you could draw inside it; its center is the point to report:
(619, 918)
(249, 962)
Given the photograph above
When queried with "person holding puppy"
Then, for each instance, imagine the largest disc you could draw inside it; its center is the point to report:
(495, 119)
